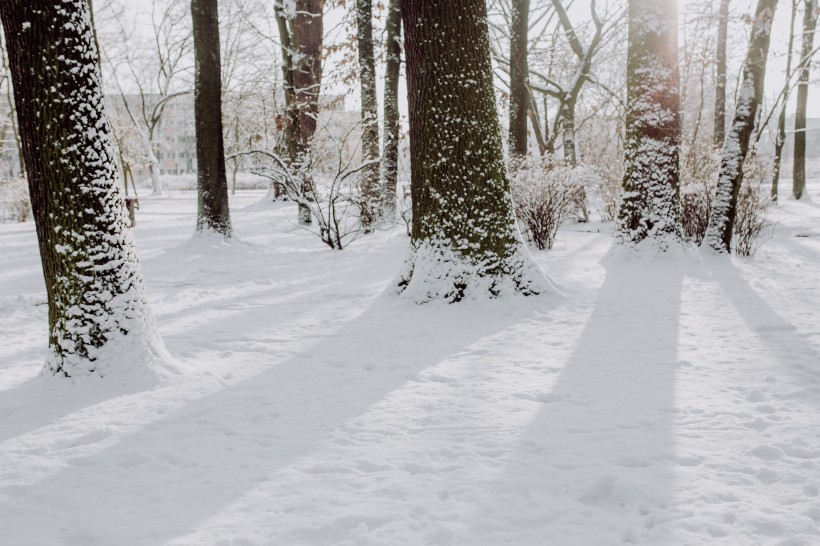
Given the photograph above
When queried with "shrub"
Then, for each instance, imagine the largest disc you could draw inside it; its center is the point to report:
(14, 200)
(545, 194)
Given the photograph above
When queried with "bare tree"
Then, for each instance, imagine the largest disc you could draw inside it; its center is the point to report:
(370, 114)
(213, 213)
(149, 78)
(300, 25)
(780, 139)
(720, 74)
(519, 74)
(724, 209)
(392, 71)
(810, 10)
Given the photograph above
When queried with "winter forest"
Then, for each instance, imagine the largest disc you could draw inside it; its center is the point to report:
(409, 272)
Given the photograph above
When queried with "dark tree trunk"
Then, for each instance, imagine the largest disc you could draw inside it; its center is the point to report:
(369, 182)
(519, 72)
(809, 26)
(392, 70)
(301, 32)
(96, 306)
(721, 223)
(780, 139)
(651, 198)
(720, 74)
(213, 213)
(464, 240)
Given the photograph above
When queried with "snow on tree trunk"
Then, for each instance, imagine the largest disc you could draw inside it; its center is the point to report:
(213, 213)
(519, 72)
(465, 243)
(369, 181)
(721, 222)
(390, 155)
(809, 25)
(651, 197)
(720, 74)
(153, 170)
(568, 133)
(99, 322)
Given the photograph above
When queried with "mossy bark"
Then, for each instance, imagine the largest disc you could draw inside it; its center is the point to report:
(464, 238)
(93, 281)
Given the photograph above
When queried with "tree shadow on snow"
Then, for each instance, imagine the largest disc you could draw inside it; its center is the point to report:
(160, 482)
(595, 465)
(799, 358)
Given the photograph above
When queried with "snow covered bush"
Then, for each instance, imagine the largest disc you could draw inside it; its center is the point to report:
(14, 200)
(324, 181)
(699, 164)
(752, 225)
(699, 172)
(545, 194)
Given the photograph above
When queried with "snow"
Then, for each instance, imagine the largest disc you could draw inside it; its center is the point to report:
(668, 401)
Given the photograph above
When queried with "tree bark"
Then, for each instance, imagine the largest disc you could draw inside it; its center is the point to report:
(464, 242)
(799, 169)
(301, 32)
(780, 139)
(721, 223)
(369, 181)
(98, 318)
(519, 72)
(651, 197)
(213, 213)
(720, 74)
(390, 155)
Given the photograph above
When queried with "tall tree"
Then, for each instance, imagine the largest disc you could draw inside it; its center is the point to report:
(651, 195)
(721, 222)
(369, 185)
(809, 25)
(98, 317)
(301, 30)
(213, 213)
(780, 139)
(464, 241)
(519, 72)
(392, 70)
(720, 73)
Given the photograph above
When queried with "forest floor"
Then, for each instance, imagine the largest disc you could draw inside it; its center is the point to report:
(658, 402)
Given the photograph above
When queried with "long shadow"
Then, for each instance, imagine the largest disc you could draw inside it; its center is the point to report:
(595, 464)
(798, 357)
(160, 482)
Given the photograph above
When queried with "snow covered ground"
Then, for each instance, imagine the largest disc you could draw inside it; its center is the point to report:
(671, 402)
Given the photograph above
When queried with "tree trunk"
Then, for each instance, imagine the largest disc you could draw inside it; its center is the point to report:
(213, 213)
(651, 198)
(153, 170)
(799, 169)
(464, 240)
(720, 74)
(390, 155)
(301, 31)
(369, 181)
(519, 72)
(568, 133)
(721, 223)
(780, 139)
(98, 316)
